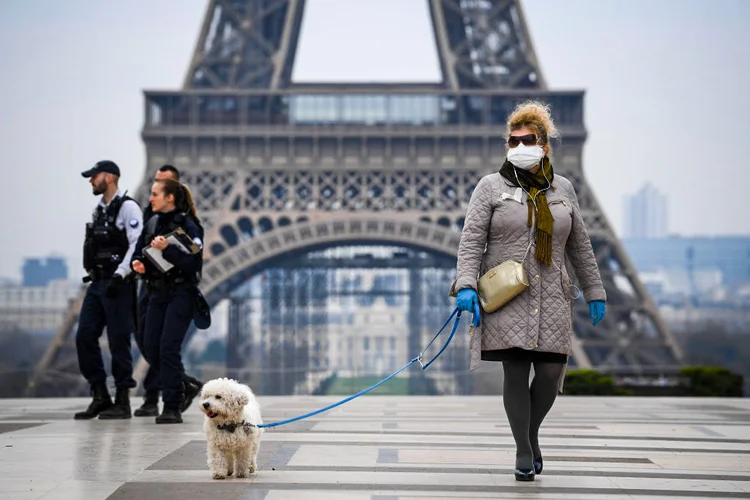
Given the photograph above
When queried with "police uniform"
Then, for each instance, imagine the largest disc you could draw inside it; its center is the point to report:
(170, 309)
(110, 241)
(152, 382)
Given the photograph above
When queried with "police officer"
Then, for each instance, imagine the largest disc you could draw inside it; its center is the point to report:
(110, 242)
(151, 382)
(171, 294)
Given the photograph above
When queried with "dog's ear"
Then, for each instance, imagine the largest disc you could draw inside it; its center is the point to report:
(243, 399)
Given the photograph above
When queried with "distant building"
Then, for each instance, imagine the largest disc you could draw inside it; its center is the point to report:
(675, 286)
(646, 214)
(692, 257)
(367, 331)
(40, 272)
(36, 309)
(371, 341)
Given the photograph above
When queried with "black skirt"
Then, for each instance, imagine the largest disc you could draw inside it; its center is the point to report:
(518, 354)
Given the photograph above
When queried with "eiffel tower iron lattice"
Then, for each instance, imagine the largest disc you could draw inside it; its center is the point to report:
(280, 168)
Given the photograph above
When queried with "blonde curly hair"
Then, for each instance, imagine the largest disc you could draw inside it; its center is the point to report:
(536, 116)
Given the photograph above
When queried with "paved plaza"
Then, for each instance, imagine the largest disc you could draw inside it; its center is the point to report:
(387, 448)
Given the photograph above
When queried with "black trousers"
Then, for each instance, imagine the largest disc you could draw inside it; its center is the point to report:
(168, 318)
(151, 382)
(116, 315)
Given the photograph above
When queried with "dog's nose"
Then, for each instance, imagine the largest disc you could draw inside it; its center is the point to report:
(206, 405)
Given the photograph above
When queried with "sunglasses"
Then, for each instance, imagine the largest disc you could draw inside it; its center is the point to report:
(527, 140)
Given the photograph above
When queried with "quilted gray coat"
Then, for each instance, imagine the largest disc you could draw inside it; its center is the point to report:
(495, 230)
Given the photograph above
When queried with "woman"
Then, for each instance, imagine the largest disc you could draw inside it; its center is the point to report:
(151, 382)
(170, 300)
(527, 213)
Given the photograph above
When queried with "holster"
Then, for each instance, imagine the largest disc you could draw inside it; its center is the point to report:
(201, 309)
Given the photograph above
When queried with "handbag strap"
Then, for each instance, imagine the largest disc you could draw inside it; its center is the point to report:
(531, 233)
(528, 247)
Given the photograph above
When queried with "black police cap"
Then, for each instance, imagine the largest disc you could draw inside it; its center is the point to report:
(107, 166)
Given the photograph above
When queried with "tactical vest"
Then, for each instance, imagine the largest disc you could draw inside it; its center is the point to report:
(105, 245)
(150, 232)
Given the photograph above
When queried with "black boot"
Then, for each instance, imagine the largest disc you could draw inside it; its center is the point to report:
(150, 406)
(192, 389)
(538, 465)
(169, 416)
(101, 401)
(121, 408)
(524, 474)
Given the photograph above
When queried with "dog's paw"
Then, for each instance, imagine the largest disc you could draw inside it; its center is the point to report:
(251, 469)
(230, 472)
(218, 475)
(241, 474)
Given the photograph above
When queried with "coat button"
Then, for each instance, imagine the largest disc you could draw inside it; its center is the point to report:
(536, 310)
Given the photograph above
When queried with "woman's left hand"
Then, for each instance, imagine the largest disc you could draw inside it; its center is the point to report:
(597, 308)
(160, 243)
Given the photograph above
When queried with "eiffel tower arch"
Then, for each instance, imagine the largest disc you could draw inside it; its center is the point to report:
(281, 169)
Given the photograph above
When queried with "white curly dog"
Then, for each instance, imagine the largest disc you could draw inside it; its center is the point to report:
(232, 414)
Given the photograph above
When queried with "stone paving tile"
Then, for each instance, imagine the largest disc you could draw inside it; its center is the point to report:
(13, 427)
(188, 491)
(88, 490)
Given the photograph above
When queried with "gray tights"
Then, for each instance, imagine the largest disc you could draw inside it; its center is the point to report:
(526, 407)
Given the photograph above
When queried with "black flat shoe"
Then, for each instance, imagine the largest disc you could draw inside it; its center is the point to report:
(538, 465)
(525, 474)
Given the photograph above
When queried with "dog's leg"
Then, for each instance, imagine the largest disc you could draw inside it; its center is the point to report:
(231, 463)
(242, 459)
(217, 462)
(254, 445)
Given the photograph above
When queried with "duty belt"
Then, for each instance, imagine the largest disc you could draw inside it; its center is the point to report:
(98, 275)
(164, 283)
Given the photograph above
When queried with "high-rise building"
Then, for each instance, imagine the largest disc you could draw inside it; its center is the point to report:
(646, 213)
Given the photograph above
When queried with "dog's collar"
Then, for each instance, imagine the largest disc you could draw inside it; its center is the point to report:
(230, 427)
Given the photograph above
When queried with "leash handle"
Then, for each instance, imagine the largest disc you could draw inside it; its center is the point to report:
(417, 359)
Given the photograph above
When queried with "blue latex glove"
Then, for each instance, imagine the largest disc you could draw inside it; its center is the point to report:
(467, 300)
(597, 308)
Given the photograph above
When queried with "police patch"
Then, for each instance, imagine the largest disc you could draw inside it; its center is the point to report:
(198, 242)
(133, 223)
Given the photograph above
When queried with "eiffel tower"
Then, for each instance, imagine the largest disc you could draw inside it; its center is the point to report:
(279, 169)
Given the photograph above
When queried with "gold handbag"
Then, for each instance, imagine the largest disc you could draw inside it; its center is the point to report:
(500, 284)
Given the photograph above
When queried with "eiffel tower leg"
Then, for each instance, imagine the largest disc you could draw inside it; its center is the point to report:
(632, 336)
(237, 321)
(57, 373)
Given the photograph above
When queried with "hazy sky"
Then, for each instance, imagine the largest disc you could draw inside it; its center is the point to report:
(667, 96)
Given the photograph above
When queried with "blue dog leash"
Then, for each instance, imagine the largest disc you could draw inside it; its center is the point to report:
(417, 359)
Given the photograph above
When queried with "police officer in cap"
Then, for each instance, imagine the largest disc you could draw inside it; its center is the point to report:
(171, 292)
(152, 381)
(109, 302)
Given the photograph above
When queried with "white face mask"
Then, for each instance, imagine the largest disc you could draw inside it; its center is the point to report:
(525, 157)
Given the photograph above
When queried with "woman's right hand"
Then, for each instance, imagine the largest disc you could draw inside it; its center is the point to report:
(139, 267)
(467, 300)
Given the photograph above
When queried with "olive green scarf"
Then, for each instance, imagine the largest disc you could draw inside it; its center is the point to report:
(533, 184)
